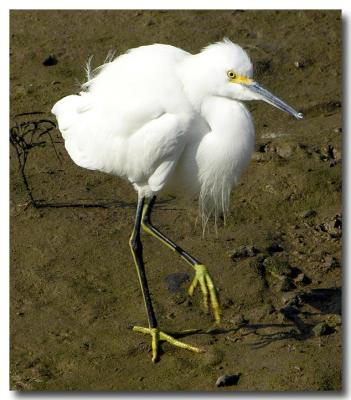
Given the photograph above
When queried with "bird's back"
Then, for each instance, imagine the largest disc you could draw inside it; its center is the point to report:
(122, 98)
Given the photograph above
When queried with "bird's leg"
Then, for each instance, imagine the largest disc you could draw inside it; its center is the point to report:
(202, 277)
(153, 330)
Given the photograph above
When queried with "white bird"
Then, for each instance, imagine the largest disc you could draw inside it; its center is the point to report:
(169, 121)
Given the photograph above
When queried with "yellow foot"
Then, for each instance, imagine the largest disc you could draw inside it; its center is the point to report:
(158, 336)
(203, 278)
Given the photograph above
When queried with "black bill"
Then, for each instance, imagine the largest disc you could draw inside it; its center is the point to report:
(268, 97)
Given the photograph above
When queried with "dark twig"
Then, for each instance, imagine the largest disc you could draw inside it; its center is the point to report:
(24, 136)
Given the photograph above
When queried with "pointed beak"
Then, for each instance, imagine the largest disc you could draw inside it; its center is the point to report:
(269, 98)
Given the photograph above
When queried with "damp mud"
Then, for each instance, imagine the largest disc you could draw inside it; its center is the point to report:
(276, 262)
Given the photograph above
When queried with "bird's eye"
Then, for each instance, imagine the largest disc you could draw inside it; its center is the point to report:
(231, 74)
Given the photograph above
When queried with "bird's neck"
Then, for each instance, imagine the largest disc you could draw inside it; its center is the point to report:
(194, 80)
(226, 117)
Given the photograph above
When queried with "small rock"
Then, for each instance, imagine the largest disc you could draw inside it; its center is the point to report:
(333, 227)
(309, 214)
(299, 64)
(175, 281)
(336, 154)
(322, 329)
(284, 150)
(228, 380)
(302, 279)
(50, 60)
(244, 252)
(337, 130)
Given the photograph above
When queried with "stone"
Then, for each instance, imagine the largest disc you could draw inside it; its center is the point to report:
(50, 60)
(284, 150)
(309, 214)
(302, 279)
(299, 64)
(322, 329)
(228, 380)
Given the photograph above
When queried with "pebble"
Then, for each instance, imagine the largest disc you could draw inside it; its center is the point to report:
(322, 329)
(309, 214)
(228, 380)
(333, 227)
(50, 60)
(337, 130)
(336, 154)
(284, 150)
(299, 64)
(302, 279)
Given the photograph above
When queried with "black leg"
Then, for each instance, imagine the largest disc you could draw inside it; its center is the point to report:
(202, 277)
(148, 227)
(137, 252)
(153, 330)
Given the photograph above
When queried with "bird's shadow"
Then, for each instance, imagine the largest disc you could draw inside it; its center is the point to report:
(326, 301)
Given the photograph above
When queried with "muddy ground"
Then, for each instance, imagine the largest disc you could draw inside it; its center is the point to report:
(74, 289)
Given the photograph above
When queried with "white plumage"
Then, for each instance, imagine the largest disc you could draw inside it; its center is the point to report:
(167, 120)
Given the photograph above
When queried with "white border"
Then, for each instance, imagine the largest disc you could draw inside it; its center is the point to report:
(7, 5)
(177, 4)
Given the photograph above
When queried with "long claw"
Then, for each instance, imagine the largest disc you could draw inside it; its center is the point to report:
(203, 278)
(157, 336)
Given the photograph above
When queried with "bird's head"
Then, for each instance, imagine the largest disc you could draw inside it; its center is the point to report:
(224, 69)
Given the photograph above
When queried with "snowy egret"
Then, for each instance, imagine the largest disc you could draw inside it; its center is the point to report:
(170, 121)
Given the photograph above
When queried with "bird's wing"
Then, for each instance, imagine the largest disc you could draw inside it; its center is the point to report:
(153, 151)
